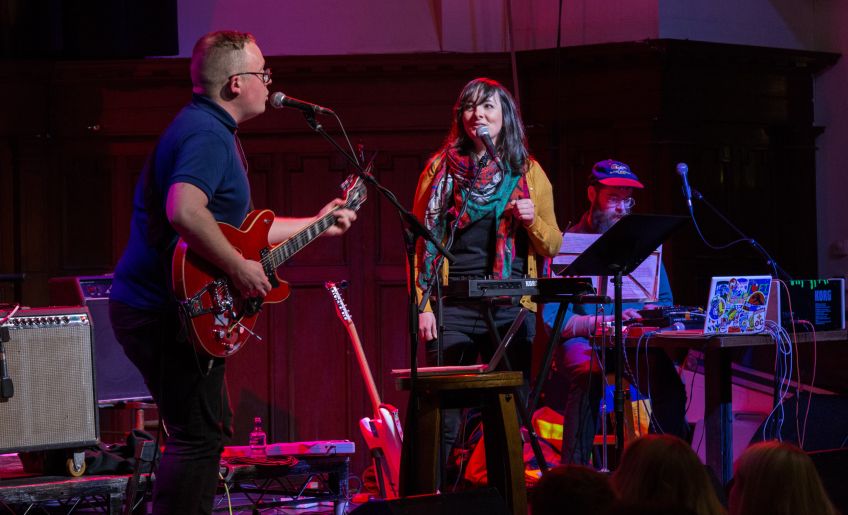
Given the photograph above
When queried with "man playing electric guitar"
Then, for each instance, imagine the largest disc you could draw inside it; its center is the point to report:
(195, 178)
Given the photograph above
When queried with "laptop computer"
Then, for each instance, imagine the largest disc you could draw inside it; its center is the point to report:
(481, 368)
(737, 304)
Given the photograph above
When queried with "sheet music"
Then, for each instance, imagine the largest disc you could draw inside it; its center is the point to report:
(642, 285)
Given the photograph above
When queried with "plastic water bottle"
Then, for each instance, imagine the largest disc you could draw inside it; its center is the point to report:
(258, 439)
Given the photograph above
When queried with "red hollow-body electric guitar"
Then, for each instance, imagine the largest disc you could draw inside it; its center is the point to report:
(218, 319)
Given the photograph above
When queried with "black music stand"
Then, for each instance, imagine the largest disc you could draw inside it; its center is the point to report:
(616, 253)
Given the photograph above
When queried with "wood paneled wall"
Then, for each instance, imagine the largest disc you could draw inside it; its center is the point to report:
(75, 137)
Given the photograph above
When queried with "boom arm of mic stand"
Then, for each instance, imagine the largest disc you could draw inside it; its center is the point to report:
(411, 221)
(776, 268)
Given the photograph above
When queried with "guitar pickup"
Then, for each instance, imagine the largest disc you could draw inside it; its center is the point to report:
(268, 266)
(193, 307)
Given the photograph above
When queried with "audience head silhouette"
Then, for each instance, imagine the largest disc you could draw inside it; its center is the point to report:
(664, 469)
(571, 489)
(777, 478)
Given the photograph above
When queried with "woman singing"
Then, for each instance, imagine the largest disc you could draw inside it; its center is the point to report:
(507, 224)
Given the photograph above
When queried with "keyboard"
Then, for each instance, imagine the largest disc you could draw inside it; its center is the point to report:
(545, 287)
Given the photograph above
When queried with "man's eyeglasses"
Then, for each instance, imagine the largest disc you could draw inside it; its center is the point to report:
(264, 75)
(625, 203)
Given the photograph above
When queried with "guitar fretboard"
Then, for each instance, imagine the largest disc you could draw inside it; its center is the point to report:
(284, 251)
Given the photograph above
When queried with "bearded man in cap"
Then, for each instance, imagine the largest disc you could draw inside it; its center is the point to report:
(577, 383)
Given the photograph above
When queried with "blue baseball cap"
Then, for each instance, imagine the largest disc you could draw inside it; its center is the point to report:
(614, 173)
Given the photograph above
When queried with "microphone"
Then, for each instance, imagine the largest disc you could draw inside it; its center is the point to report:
(280, 100)
(677, 326)
(483, 134)
(683, 171)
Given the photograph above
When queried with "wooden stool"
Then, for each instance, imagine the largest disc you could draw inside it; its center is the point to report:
(494, 392)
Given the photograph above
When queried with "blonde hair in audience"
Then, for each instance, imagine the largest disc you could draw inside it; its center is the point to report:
(664, 469)
(777, 478)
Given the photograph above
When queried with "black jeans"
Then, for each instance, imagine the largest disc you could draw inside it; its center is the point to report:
(191, 394)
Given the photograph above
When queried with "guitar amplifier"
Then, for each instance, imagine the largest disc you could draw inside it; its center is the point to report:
(50, 362)
(117, 378)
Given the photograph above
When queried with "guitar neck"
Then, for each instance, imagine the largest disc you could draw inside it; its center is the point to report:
(285, 250)
(373, 394)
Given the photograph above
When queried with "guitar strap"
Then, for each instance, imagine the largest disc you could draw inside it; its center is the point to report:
(158, 227)
(244, 163)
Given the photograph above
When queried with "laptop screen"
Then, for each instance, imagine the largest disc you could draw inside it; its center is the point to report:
(737, 304)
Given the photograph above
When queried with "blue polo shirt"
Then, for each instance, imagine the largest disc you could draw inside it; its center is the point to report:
(198, 148)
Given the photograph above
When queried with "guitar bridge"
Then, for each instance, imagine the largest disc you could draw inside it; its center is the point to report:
(221, 300)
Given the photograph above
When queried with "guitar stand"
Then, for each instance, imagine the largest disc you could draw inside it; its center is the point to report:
(379, 460)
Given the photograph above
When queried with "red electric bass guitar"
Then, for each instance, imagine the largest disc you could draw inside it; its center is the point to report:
(383, 433)
(218, 319)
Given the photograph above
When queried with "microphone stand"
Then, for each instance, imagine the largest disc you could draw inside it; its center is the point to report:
(434, 281)
(777, 270)
(618, 396)
(413, 229)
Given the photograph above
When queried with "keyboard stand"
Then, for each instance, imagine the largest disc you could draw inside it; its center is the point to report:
(556, 335)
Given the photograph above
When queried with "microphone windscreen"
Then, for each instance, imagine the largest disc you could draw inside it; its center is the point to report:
(682, 168)
(482, 132)
(276, 99)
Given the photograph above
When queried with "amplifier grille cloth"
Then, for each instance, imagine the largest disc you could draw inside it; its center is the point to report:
(53, 403)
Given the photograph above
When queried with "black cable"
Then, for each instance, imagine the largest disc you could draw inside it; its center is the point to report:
(776, 269)
(586, 407)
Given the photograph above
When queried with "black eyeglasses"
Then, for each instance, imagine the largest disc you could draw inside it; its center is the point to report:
(264, 75)
(625, 203)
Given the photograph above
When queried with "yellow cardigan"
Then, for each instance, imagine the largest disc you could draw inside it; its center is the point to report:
(545, 236)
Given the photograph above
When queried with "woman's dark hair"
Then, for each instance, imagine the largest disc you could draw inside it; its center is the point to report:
(664, 468)
(583, 490)
(774, 477)
(511, 143)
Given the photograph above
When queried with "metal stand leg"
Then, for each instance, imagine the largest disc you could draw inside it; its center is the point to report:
(553, 342)
(521, 401)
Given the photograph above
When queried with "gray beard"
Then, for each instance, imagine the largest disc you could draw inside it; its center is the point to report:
(603, 220)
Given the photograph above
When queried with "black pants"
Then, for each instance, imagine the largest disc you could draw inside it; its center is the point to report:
(191, 394)
(467, 339)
